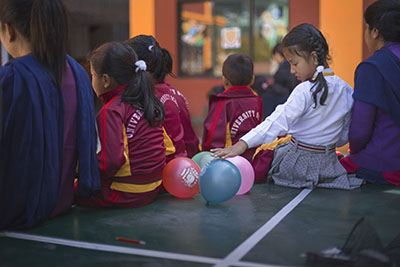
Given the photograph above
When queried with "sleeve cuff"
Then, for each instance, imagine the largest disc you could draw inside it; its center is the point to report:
(252, 139)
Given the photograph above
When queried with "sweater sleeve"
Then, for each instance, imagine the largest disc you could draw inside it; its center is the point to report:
(111, 157)
(361, 126)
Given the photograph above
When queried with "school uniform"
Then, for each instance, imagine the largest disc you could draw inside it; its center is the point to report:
(375, 128)
(172, 126)
(42, 141)
(231, 114)
(309, 159)
(192, 144)
(131, 157)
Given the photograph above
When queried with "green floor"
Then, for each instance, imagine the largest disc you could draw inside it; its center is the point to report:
(208, 234)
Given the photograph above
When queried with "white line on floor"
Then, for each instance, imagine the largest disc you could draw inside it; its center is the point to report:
(124, 250)
(250, 242)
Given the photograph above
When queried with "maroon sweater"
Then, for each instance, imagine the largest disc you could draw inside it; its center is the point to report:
(174, 132)
(192, 144)
(231, 115)
(132, 151)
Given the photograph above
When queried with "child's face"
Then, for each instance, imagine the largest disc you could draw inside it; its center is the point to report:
(98, 82)
(300, 67)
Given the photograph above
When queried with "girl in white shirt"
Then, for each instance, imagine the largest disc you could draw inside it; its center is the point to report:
(316, 114)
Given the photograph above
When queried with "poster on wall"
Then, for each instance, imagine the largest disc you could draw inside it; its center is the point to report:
(231, 38)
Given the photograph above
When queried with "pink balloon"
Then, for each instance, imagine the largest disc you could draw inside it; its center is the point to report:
(246, 171)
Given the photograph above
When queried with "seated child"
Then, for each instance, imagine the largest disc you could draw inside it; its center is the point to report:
(132, 149)
(180, 139)
(236, 110)
(316, 114)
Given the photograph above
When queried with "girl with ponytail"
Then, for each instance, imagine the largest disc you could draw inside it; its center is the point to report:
(316, 114)
(132, 149)
(179, 136)
(47, 123)
(375, 125)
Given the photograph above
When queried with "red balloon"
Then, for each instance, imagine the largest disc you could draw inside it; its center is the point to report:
(181, 177)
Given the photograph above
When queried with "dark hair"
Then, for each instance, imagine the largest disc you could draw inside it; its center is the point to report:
(238, 69)
(44, 24)
(277, 49)
(302, 40)
(384, 15)
(158, 59)
(118, 60)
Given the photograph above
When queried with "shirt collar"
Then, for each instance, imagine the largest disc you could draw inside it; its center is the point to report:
(107, 96)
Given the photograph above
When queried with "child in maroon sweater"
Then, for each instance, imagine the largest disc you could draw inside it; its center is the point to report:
(236, 110)
(180, 139)
(132, 149)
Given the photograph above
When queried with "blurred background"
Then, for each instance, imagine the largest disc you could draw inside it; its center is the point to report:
(200, 34)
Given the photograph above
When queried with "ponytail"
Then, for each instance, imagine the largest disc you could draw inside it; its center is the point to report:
(167, 62)
(49, 31)
(320, 46)
(140, 94)
(158, 60)
(118, 61)
(320, 84)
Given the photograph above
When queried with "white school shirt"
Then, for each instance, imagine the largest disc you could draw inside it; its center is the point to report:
(323, 125)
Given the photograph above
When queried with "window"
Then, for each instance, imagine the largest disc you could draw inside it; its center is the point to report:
(211, 30)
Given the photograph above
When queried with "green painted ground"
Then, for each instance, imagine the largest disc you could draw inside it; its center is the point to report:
(188, 226)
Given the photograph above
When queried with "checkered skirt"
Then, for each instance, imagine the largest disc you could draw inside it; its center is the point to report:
(297, 167)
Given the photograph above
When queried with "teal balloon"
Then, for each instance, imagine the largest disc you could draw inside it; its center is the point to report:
(203, 158)
(219, 181)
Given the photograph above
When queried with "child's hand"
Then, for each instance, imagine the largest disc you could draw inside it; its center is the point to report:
(231, 151)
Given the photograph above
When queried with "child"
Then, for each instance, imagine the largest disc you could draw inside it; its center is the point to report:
(179, 137)
(132, 151)
(316, 114)
(235, 111)
(280, 86)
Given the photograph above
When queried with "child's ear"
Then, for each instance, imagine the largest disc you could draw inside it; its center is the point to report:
(375, 33)
(252, 80)
(225, 82)
(314, 58)
(10, 32)
(106, 81)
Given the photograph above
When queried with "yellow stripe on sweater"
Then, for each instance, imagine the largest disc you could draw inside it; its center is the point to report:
(135, 188)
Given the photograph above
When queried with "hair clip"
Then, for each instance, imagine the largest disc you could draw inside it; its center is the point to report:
(150, 47)
(320, 69)
(141, 65)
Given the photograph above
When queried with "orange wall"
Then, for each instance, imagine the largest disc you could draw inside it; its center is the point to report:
(141, 13)
(342, 25)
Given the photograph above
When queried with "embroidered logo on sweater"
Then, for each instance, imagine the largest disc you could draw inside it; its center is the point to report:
(244, 116)
(133, 122)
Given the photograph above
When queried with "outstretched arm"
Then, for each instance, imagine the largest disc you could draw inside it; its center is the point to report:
(231, 151)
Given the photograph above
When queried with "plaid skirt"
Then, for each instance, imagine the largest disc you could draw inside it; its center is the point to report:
(299, 165)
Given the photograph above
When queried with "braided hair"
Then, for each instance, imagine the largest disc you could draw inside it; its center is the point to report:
(302, 40)
(158, 59)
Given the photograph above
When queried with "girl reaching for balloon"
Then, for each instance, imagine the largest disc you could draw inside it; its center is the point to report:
(316, 114)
